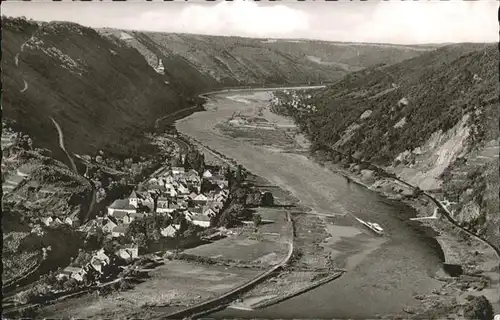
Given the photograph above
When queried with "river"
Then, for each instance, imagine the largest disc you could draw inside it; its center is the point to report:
(383, 274)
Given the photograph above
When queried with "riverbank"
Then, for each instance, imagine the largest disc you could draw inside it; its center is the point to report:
(478, 261)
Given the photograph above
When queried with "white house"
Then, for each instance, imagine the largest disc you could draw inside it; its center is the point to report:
(109, 226)
(153, 181)
(72, 221)
(207, 174)
(182, 190)
(48, 221)
(167, 207)
(200, 199)
(173, 193)
(102, 256)
(169, 231)
(72, 272)
(128, 253)
(201, 220)
(97, 264)
(189, 215)
(178, 170)
(209, 213)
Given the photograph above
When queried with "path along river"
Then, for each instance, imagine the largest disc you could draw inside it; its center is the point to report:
(383, 274)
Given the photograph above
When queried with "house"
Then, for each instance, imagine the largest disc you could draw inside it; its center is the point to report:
(65, 274)
(153, 181)
(72, 272)
(134, 251)
(178, 170)
(192, 195)
(209, 213)
(120, 215)
(121, 205)
(182, 203)
(79, 275)
(173, 193)
(167, 207)
(154, 190)
(192, 176)
(219, 180)
(201, 220)
(182, 189)
(196, 209)
(72, 221)
(97, 264)
(200, 199)
(162, 201)
(124, 254)
(109, 225)
(52, 220)
(101, 255)
(168, 179)
(188, 215)
(119, 231)
(207, 174)
(128, 253)
(132, 216)
(223, 185)
(48, 221)
(169, 231)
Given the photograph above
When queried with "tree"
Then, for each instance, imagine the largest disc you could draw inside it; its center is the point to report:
(257, 220)
(479, 308)
(253, 199)
(70, 284)
(141, 241)
(416, 192)
(27, 296)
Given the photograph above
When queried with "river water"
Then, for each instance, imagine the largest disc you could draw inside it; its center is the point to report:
(383, 274)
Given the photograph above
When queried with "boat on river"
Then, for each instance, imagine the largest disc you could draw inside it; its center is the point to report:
(375, 227)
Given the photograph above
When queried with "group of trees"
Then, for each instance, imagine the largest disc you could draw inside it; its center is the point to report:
(194, 160)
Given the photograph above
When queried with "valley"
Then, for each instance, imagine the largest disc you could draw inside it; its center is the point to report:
(164, 175)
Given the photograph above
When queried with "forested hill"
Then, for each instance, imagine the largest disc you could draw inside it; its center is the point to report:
(433, 120)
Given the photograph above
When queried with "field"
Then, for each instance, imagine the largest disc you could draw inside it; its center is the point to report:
(175, 284)
(267, 246)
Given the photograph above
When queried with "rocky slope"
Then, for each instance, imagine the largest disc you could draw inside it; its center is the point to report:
(431, 120)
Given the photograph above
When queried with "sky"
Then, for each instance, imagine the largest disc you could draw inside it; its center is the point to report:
(396, 21)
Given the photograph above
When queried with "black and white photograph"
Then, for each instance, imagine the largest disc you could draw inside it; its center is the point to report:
(250, 159)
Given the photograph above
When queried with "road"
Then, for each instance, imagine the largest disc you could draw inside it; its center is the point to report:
(73, 165)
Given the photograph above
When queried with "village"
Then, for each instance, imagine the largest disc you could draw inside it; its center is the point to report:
(175, 195)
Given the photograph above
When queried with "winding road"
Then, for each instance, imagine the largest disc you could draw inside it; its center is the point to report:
(73, 165)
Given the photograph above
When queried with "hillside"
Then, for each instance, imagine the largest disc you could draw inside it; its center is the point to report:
(99, 85)
(234, 61)
(101, 92)
(432, 120)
